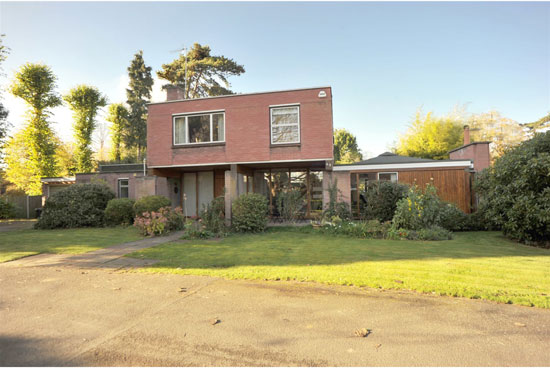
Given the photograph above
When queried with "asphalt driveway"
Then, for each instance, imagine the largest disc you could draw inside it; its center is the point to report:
(55, 315)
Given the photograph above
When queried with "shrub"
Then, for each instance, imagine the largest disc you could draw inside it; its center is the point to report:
(452, 218)
(515, 192)
(7, 210)
(418, 210)
(195, 230)
(249, 213)
(119, 211)
(150, 203)
(213, 216)
(290, 204)
(432, 233)
(79, 205)
(381, 199)
(160, 222)
(357, 229)
(336, 207)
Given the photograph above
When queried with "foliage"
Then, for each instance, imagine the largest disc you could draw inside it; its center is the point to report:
(418, 210)
(65, 158)
(539, 125)
(195, 230)
(290, 203)
(381, 199)
(119, 211)
(249, 213)
(346, 150)
(431, 233)
(79, 205)
(84, 101)
(138, 95)
(372, 229)
(430, 137)
(213, 216)
(160, 222)
(502, 132)
(35, 84)
(207, 75)
(150, 204)
(118, 117)
(7, 210)
(336, 208)
(515, 191)
(4, 124)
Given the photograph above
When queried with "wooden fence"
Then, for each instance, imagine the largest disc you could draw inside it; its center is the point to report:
(25, 206)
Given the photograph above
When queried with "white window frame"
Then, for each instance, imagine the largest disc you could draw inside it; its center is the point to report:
(388, 172)
(271, 123)
(198, 113)
(119, 186)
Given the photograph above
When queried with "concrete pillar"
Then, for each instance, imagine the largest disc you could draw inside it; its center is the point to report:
(230, 191)
(343, 181)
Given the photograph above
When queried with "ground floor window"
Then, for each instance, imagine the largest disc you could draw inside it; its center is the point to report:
(388, 176)
(123, 188)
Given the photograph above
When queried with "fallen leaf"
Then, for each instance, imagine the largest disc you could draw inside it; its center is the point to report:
(215, 321)
(183, 290)
(519, 324)
(398, 281)
(116, 288)
(377, 346)
(363, 332)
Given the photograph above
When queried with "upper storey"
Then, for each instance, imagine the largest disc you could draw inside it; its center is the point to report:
(292, 125)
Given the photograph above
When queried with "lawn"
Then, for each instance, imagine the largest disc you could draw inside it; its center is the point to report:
(22, 243)
(479, 265)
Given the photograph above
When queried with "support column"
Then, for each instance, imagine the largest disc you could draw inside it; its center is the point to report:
(230, 191)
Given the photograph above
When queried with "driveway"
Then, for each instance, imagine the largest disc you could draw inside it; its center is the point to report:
(58, 315)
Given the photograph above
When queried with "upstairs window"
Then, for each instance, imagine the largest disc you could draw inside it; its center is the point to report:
(285, 124)
(199, 128)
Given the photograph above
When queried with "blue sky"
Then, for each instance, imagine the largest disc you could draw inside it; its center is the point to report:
(383, 60)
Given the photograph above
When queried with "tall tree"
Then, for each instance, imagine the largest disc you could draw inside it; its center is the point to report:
(502, 132)
(430, 137)
(118, 117)
(4, 124)
(85, 101)
(346, 150)
(36, 84)
(138, 95)
(207, 75)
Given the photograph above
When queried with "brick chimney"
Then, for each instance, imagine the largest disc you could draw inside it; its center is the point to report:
(466, 134)
(174, 93)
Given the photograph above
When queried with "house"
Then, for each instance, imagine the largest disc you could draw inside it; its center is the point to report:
(263, 142)
(452, 178)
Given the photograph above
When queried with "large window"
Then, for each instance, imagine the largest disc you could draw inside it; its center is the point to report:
(123, 188)
(388, 176)
(285, 124)
(199, 128)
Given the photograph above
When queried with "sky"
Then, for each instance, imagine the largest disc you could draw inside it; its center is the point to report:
(382, 60)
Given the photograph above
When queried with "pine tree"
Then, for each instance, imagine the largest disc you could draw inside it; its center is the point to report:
(138, 95)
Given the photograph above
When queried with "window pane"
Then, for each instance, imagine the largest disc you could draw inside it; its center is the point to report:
(123, 188)
(217, 127)
(285, 134)
(179, 130)
(387, 177)
(199, 128)
(284, 115)
(316, 190)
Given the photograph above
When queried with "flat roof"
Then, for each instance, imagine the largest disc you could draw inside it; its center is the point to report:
(239, 94)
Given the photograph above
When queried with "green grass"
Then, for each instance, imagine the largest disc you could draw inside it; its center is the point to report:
(474, 264)
(22, 243)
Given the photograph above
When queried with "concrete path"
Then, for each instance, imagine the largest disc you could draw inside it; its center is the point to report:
(11, 225)
(107, 258)
(65, 316)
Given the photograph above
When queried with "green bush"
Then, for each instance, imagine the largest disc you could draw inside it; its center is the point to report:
(195, 230)
(452, 218)
(432, 233)
(79, 205)
(372, 229)
(381, 199)
(336, 208)
(7, 210)
(290, 204)
(150, 203)
(119, 211)
(213, 216)
(515, 191)
(160, 222)
(418, 210)
(249, 213)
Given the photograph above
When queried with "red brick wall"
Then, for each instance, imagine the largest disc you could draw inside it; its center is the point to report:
(247, 129)
(479, 152)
